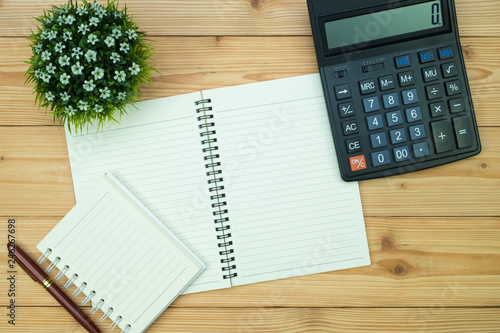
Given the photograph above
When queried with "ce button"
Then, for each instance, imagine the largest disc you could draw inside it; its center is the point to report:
(353, 146)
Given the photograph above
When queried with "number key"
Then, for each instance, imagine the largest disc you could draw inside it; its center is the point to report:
(391, 101)
(398, 136)
(371, 104)
(394, 118)
(374, 122)
(417, 132)
(380, 158)
(413, 114)
(378, 140)
(410, 96)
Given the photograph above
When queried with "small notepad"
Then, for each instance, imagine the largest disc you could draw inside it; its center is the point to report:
(127, 262)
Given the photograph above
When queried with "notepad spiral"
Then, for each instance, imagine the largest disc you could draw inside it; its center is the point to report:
(215, 180)
(96, 305)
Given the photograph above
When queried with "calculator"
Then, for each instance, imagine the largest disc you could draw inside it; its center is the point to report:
(395, 85)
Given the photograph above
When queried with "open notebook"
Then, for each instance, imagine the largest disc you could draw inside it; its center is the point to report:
(120, 256)
(245, 176)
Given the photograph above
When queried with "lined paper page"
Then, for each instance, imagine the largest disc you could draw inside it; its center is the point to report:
(290, 212)
(128, 259)
(156, 153)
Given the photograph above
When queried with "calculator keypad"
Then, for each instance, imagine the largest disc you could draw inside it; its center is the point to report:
(409, 109)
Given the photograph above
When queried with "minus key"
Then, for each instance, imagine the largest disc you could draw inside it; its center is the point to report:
(457, 105)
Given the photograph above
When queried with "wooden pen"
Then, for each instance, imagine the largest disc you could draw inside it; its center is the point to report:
(40, 277)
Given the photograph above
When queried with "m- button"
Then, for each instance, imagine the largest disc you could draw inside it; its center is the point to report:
(367, 86)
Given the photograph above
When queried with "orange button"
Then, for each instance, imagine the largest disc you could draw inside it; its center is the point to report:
(357, 163)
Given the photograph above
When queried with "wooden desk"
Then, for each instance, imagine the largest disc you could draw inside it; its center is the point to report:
(434, 235)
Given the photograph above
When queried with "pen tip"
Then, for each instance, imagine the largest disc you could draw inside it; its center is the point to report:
(10, 246)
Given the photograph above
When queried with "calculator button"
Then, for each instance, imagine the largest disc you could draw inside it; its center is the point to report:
(426, 56)
(449, 70)
(371, 104)
(343, 91)
(438, 109)
(413, 114)
(410, 96)
(403, 61)
(462, 132)
(401, 154)
(350, 127)
(443, 140)
(387, 82)
(417, 132)
(453, 88)
(374, 122)
(367, 86)
(398, 136)
(457, 105)
(353, 145)
(430, 74)
(406, 79)
(445, 53)
(380, 158)
(394, 118)
(434, 91)
(378, 140)
(357, 163)
(391, 101)
(346, 110)
(420, 150)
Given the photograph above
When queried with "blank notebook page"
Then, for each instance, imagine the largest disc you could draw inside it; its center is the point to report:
(290, 212)
(156, 153)
(122, 253)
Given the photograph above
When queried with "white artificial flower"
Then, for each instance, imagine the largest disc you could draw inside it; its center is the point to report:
(110, 41)
(38, 48)
(70, 19)
(98, 108)
(122, 96)
(38, 73)
(52, 35)
(131, 34)
(98, 73)
(67, 36)
(135, 69)
(89, 85)
(93, 21)
(49, 96)
(91, 55)
(44, 34)
(124, 47)
(60, 47)
(105, 93)
(77, 52)
(82, 10)
(83, 105)
(60, 19)
(64, 78)
(116, 33)
(118, 15)
(71, 111)
(64, 60)
(115, 57)
(64, 96)
(77, 69)
(120, 76)
(46, 55)
(51, 69)
(92, 39)
(45, 77)
(83, 29)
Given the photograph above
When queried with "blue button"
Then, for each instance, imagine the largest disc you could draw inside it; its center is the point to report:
(371, 104)
(445, 53)
(398, 136)
(378, 140)
(413, 114)
(417, 132)
(401, 154)
(380, 158)
(421, 150)
(410, 96)
(403, 61)
(391, 101)
(375, 122)
(427, 56)
(394, 118)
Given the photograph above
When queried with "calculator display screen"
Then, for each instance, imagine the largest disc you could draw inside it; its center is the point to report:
(360, 30)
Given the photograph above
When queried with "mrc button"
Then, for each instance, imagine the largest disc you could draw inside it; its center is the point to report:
(367, 86)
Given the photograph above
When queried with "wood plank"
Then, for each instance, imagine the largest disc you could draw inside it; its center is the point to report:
(197, 63)
(35, 180)
(275, 320)
(415, 262)
(234, 17)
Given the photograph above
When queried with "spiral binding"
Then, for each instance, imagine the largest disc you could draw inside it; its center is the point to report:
(96, 306)
(216, 186)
